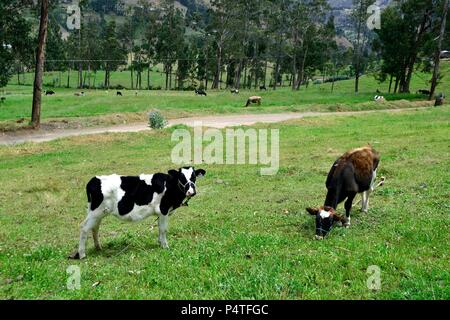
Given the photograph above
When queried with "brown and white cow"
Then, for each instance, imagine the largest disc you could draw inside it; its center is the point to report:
(354, 172)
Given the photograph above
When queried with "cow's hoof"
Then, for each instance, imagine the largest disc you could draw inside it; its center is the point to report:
(347, 225)
(164, 245)
(318, 237)
(76, 256)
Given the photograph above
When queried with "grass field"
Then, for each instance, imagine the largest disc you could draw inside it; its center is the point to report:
(174, 104)
(244, 236)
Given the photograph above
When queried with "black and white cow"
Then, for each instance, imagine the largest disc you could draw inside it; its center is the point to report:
(135, 198)
(354, 172)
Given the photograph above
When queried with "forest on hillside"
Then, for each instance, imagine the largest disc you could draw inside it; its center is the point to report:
(221, 44)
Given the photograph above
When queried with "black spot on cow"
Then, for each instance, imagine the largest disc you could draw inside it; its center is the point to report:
(94, 193)
(138, 192)
(49, 93)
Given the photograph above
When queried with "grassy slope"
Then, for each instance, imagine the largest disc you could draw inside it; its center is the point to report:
(246, 236)
(176, 104)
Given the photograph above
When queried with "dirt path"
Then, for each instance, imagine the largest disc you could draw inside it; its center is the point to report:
(219, 121)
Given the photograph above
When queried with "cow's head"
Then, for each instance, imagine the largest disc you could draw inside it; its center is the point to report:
(325, 218)
(186, 178)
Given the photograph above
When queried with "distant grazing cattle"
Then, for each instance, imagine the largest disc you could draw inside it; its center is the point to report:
(354, 172)
(263, 88)
(119, 93)
(136, 198)
(200, 92)
(49, 93)
(379, 99)
(423, 91)
(234, 91)
(440, 98)
(254, 99)
(79, 94)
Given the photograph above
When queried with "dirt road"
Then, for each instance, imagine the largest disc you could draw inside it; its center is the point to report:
(218, 121)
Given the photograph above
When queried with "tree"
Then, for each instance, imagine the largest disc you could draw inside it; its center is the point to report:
(170, 38)
(437, 55)
(112, 52)
(40, 58)
(14, 37)
(404, 34)
(359, 15)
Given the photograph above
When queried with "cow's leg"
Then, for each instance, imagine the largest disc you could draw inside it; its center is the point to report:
(366, 194)
(365, 202)
(95, 230)
(163, 224)
(88, 225)
(348, 207)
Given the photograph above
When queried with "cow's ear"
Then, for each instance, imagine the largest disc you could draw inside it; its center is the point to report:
(173, 173)
(313, 211)
(200, 173)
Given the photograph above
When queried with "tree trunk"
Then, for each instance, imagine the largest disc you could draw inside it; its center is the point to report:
(216, 80)
(18, 75)
(302, 69)
(437, 56)
(358, 49)
(277, 70)
(265, 73)
(148, 77)
(238, 76)
(170, 77)
(294, 71)
(68, 78)
(390, 84)
(413, 56)
(167, 76)
(396, 84)
(132, 79)
(40, 58)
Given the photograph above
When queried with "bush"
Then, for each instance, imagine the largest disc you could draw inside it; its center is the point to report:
(156, 120)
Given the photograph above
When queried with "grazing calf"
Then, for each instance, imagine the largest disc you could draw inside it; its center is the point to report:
(422, 91)
(379, 99)
(200, 92)
(49, 93)
(79, 94)
(119, 94)
(263, 88)
(354, 172)
(440, 98)
(135, 199)
(254, 99)
(234, 91)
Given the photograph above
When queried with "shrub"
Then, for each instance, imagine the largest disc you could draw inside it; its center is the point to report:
(156, 120)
